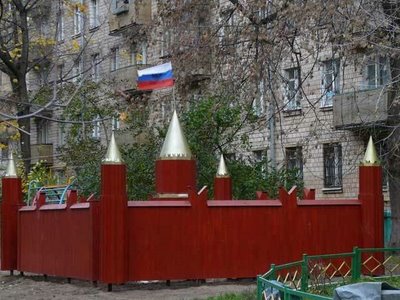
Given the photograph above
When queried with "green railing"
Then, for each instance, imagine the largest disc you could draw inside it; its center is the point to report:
(315, 276)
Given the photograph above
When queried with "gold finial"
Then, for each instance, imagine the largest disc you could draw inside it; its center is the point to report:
(175, 145)
(11, 168)
(370, 157)
(113, 155)
(222, 169)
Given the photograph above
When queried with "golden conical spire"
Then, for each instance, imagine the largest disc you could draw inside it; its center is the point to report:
(370, 157)
(222, 169)
(175, 145)
(113, 155)
(11, 168)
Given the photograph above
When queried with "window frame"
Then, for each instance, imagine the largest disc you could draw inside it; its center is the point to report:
(333, 151)
(294, 155)
(96, 130)
(381, 72)
(114, 64)
(78, 21)
(77, 69)
(331, 88)
(294, 102)
(95, 60)
(42, 132)
(60, 26)
(94, 14)
(258, 104)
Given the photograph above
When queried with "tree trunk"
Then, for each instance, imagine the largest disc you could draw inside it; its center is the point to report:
(21, 93)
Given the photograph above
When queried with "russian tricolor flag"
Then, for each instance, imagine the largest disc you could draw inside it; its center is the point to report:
(155, 78)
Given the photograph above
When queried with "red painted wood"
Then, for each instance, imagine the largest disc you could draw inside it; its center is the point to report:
(221, 239)
(117, 241)
(57, 240)
(113, 224)
(260, 195)
(372, 211)
(222, 188)
(11, 202)
(308, 194)
(174, 176)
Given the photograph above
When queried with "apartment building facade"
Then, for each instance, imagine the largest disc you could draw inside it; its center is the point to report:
(315, 112)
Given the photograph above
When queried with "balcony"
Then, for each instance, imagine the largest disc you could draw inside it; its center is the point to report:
(125, 78)
(361, 108)
(125, 14)
(42, 152)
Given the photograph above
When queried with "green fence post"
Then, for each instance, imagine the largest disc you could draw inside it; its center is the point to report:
(259, 287)
(356, 264)
(273, 272)
(304, 273)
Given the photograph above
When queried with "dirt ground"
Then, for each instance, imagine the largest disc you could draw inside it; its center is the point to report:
(35, 287)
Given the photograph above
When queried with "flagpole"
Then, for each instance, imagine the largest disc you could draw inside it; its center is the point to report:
(173, 98)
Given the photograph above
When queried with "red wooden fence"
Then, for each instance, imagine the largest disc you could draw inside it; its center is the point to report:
(114, 240)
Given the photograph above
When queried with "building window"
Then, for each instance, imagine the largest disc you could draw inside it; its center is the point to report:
(165, 43)
(114, 59)
(294, 160)
(260, 157)
(139, 54)
(166, 110)
(96, 128)
(42, 132)
(120, 6)
(292, 89)
(377, 72)
(94, 14)
(4, 153)
(60, 72)
(95, 67)
(60, 27)
(332, 165)
(115, 123)
(77, 70)
(62, 137)
(330, 81)
(258, 102)
(78, 21)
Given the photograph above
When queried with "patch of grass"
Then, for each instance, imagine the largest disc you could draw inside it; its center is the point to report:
(249, 295)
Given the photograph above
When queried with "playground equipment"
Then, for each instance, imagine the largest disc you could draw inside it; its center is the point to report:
(55, 194)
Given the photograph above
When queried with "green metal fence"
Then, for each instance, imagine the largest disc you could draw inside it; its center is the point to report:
(315, 276)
